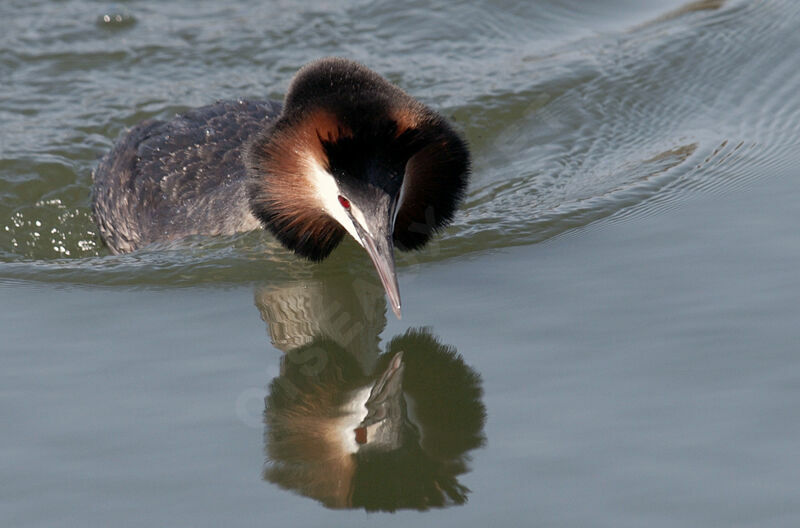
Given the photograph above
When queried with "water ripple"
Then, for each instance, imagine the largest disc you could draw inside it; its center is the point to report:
(567, 127)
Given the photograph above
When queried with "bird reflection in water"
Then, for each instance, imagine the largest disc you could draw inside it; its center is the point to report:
(352, 426)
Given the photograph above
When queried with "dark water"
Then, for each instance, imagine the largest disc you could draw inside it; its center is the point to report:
(607, 336)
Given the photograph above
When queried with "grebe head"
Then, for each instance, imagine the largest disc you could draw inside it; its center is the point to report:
(352, 153)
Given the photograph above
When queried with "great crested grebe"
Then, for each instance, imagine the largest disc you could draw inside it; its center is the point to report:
(347, 152)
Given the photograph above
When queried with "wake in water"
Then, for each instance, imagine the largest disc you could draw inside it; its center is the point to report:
(621, 124)
(702, 99)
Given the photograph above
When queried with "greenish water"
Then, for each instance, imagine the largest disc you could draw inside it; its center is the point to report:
(621, 287)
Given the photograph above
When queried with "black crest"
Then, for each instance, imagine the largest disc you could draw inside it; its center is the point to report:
(366, 133)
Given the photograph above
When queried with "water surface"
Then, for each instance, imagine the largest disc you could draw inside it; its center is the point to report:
(618, 294)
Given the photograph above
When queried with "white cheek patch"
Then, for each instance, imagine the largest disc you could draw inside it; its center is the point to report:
(354, 413)
(328, 194)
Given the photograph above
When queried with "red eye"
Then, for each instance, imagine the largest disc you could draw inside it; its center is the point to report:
(361, 435)
(345, 202)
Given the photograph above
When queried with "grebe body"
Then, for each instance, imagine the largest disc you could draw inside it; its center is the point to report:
(346, 152)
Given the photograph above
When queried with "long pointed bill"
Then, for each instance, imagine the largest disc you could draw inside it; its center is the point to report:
(381, 251)
(372, 212)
